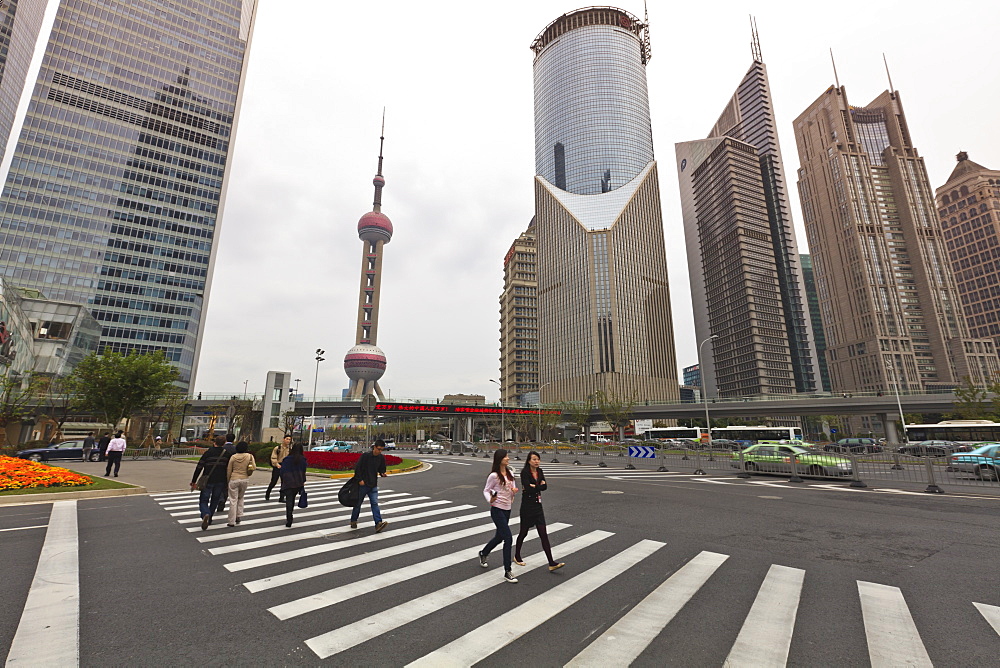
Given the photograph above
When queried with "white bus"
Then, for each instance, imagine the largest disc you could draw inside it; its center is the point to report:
(672, 433)
(757, 433)
(960, 431)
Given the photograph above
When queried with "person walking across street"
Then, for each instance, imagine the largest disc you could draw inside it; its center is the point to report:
(238, 471)
(214, 464)
(499, 492)
(532, 486)
(293, 479)
(370, 466)
(230, 448)
(102, 446)
(88, 446)
(280, 452)
(114, 452)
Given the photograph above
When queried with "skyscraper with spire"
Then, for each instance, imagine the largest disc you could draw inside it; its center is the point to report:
(602, 268)
(116, 189)
(365, 362)
(746, 278)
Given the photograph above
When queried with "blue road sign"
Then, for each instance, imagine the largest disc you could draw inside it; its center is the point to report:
(643, 451)
(833, 430)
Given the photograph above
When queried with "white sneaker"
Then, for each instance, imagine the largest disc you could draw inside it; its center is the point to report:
(509, 577)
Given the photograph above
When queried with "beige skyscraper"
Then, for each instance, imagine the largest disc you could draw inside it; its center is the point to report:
(887, 296)
(602, 269)
(968, 207)
(519, 320)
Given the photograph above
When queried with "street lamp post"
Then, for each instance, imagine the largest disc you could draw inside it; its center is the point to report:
(502, 424)
(245, 383)
(312, 418)
(704, 396)
(540, 410)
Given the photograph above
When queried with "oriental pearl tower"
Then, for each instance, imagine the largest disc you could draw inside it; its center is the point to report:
(365, 362)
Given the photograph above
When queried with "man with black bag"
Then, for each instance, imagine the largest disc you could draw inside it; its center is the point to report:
(211, 477)
(370, 466)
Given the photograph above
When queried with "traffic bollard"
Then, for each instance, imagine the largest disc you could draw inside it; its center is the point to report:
(795, 468)
(663, 462)
(743, 468)
(932, 487)
(855, 473)
(698, 470)
(601, 463)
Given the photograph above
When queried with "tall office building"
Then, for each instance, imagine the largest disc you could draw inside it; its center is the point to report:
(692, 375)
(887, 297)
(20, 21)
(519, 321)
(115, 192)
(968, 207)
(602, 270)
(812, 297)
(743, 261)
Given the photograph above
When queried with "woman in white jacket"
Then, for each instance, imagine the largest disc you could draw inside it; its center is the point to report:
(241, 466)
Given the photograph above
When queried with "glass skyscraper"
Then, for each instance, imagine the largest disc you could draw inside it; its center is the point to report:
(116, 188)
(602, 270)
(20, 21)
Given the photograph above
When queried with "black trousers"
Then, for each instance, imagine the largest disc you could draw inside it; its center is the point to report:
(275, 477)
(290, 495)
(114, 459)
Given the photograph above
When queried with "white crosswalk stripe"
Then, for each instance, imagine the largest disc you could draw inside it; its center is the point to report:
(307, 569)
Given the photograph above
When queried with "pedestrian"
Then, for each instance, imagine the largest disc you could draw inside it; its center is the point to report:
(532, 485)
(114, 452)
(238, 471)
(370, 466)
(227, 441)
(499, 492)
(213, 465)
(158, 443)
(293, 479)
(102, 446)
(88, 445)
(280, 452)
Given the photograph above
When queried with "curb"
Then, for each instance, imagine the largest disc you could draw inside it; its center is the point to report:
(63, 496)
(337, 476)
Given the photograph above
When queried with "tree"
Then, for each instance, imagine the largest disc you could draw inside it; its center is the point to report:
(60, 398)
(117, 386)
(16, 397)
(616, 409)
(971, 400)
(578, 413)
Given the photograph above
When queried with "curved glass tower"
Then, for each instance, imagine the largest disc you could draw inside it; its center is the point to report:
(602, 269)
(592, 127)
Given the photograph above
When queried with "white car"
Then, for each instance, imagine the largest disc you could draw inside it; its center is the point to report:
(430, 448)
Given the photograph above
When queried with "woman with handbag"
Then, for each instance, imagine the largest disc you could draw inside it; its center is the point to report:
(499, 493)
(293, 479)
(241, 467)
(533, 484)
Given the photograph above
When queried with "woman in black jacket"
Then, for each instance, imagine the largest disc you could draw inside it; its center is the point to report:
(293, 479)
(533, 484)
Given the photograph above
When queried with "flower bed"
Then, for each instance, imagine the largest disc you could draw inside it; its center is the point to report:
(341, 461)
(18, 473)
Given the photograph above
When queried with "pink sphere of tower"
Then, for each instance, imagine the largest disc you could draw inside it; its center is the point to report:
(364, 362)
(375, 226)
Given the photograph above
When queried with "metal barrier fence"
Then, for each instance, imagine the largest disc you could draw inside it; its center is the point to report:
(160, 453)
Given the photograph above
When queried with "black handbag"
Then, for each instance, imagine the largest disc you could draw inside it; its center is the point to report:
(303, 499)
(349, 493)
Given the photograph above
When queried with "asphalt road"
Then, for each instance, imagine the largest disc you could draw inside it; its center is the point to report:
(672, 569)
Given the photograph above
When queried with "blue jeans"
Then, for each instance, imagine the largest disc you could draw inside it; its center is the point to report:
(372, 494)
(501, 518)
(209, 498)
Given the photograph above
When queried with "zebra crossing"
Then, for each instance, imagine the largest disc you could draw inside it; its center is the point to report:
(312, 560)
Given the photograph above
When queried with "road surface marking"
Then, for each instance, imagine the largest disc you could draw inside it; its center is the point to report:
(348, 636)
(443, 461)
(291, 538)
(278, 513)
(49, 631)
(991, 613)
(284, 557)
(322, 517)
(893, 639)
(630, 635)
(385, 579)
(508, 627)
(37, 526)
(767, 631)
(272, 508)
(366, 557)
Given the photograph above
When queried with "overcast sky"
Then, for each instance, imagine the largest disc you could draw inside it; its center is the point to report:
(456, 79)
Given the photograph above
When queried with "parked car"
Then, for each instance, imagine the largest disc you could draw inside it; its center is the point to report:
(854, 445)
(390, 444)
(67, 450)
(430, 448)
(457, 447)
(933, 448)
(777, 458)
(984, 461)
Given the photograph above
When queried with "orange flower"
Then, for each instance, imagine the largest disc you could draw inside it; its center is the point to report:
(23, 474)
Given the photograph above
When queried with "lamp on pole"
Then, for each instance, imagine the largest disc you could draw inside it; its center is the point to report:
(312, 418)
(245, 383)
(502, 435)
(704, 394)
(540, 410)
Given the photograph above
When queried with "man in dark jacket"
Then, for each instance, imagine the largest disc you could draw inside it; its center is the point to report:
(214, 462)
(370, 466)
(102, 446)
(88, 446)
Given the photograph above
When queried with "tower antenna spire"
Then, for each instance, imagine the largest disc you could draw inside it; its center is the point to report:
(379, 180)
(892, 91)
(755, 40)
(834, 62)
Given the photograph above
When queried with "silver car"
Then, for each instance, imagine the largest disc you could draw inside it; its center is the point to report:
(430, 448)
